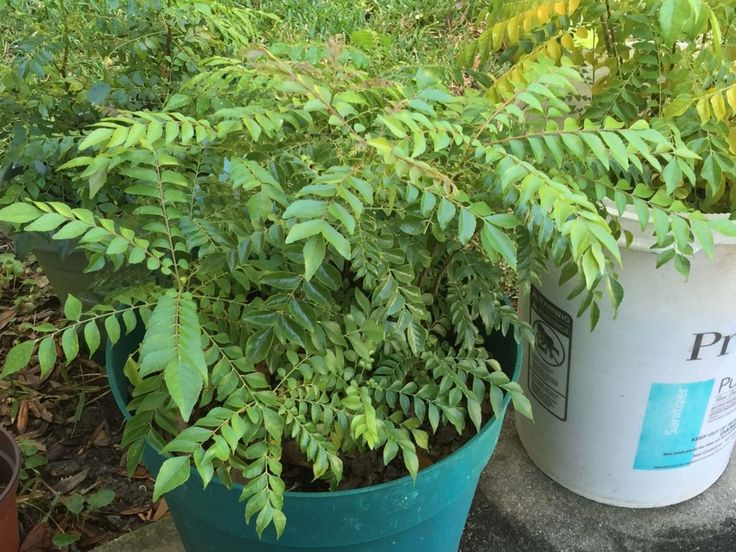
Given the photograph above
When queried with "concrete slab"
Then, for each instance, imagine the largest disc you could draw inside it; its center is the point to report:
(160, 536)
(519, 509)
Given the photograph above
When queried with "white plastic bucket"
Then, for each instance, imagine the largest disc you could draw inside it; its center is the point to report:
(641, 412)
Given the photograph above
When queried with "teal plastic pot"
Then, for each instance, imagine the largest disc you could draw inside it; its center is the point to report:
(426, 515)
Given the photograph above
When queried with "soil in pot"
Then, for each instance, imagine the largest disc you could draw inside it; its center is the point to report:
(367, 468)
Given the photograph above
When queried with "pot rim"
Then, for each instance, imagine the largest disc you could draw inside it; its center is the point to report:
(15, 465)
(643, 240)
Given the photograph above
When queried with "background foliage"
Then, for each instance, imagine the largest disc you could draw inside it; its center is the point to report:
(670, 60)
(67, 63)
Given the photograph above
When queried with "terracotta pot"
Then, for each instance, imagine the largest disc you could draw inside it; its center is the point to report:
(9, 474)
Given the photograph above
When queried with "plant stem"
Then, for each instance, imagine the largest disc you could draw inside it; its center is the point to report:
(65, 53)
(609, 37)
(441, 273)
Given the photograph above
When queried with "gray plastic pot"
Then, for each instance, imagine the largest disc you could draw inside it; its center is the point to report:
(62, 265)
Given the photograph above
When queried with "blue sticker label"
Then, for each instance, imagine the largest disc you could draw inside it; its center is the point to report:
(672, 424)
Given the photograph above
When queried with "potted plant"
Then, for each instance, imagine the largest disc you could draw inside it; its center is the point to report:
(670, 62)
(68, 64)
(326, 248)
(9, 474)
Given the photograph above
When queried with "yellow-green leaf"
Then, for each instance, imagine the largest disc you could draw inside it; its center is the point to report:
(47, 355)
(703, 110)
(314, 254)
(466, 226)
(95, 137)
(72, 308)
(719, 106)
(19, 213)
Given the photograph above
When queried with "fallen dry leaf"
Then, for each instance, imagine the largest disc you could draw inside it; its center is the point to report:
(101, 435)
(56, 451)
(21, 420)
(6, 316)
(43, 315)
(68, 484)
(39, 539)
(135, 510)
(32, 436)
(92, 535)
(140, 473)
(161, 510)
(90, 541)
(40, 411)
(30, 497)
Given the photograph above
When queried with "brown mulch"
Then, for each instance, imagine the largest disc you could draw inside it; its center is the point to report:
(69, 430)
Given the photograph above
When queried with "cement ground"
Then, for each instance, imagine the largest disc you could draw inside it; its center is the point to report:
(518, 508)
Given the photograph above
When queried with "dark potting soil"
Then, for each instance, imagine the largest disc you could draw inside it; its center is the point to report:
(367, 468)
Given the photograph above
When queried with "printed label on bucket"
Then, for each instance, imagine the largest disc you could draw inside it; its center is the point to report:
(685, 423)
(548, 375)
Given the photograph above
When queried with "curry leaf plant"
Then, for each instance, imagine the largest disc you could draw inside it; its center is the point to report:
(325, 249)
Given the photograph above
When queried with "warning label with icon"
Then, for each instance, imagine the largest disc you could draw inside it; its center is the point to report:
(548, 375)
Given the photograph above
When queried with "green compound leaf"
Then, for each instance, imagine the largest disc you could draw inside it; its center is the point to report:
(172, 344)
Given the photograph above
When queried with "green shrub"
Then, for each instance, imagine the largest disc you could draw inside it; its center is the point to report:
(68, 63)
